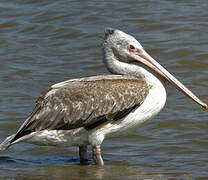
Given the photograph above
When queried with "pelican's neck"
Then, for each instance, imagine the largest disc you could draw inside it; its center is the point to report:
(118, 67)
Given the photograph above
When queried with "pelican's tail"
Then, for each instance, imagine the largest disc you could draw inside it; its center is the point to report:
(6, 143)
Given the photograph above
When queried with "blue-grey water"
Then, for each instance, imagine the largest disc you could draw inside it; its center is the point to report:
(43, 42)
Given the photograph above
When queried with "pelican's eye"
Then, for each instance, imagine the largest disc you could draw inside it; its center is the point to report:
(131, 47)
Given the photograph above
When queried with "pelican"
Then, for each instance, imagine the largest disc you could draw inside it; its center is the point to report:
(85, 111)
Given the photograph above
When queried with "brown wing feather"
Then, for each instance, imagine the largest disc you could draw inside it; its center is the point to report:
(81, 103)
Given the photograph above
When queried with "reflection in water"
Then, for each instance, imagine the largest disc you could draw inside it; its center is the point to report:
(54, 172)
(45, 42)
(66, 167)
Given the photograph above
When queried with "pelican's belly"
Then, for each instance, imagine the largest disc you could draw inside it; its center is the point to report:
(152, 105)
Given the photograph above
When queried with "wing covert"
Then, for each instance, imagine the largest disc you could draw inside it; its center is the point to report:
(83, 103)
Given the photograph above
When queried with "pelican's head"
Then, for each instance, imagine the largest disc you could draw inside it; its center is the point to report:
(123, 51)
(120, 44)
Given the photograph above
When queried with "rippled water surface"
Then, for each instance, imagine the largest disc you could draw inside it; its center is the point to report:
(46, 41)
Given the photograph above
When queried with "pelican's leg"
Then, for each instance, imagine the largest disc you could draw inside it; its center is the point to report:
(83, 154)
(96, 150)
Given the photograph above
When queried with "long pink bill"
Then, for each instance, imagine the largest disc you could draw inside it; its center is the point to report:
(143, 57)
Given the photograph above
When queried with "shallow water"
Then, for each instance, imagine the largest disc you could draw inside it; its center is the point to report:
(45, 42)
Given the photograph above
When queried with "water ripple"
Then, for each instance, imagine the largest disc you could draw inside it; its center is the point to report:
(44, 42)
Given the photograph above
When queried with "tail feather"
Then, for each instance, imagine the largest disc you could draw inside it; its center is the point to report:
(6, 143)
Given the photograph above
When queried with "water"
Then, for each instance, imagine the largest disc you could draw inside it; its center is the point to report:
(43, 42)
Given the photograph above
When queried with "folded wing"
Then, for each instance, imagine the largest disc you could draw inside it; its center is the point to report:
(85, 102)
